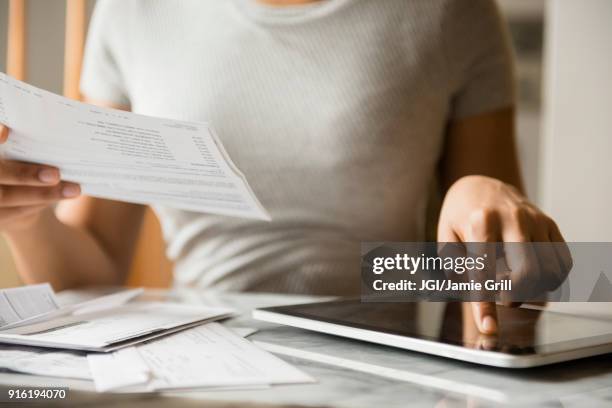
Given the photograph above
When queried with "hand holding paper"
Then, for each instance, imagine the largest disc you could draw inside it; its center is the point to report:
(124, 156)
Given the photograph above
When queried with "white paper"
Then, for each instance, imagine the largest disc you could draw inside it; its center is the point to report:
(125, 156)
(207, 356)
(19, 304)
(244, 331)
(105, 302)
(45, 362)
(121, 369)
(42, 298)
(67, 364)
(98, 331)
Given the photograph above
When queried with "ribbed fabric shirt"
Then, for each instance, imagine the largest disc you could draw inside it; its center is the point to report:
(335, 111)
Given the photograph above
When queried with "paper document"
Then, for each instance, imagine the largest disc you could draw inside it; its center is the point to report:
(244, 331)
(45, 362)
(32, 304)
(112, 328)
(55, 363)
(207, 356)
(19, 304)
(125, 156)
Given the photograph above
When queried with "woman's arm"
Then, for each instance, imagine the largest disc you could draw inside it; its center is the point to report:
(87, 242)
(84, 241)
(482, 145)
(485, 202)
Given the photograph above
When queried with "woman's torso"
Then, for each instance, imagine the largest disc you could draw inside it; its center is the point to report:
(334, 112)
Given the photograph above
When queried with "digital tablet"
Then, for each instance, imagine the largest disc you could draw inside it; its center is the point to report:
(526, 337)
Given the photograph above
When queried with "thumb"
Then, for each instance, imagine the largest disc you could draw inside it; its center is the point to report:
(4, 131)
(485, 316)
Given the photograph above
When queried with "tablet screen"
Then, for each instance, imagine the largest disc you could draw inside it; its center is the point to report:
(521, 331)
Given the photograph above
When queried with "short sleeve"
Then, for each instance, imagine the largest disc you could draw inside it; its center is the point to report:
(101, 77)
(480, 57)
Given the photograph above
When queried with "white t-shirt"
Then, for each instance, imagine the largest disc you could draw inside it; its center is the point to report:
(335, 111)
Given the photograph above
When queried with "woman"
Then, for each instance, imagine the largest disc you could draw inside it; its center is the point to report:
(342, 114)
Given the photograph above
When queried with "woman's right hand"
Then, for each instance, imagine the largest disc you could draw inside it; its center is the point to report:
(27, 189)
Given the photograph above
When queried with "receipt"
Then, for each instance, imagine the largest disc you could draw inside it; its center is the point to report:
(125, 156)
(33, 304)
(206, 357)
(22, 303)
(45, 362)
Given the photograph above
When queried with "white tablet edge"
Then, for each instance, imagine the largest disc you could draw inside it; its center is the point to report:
(484, 357)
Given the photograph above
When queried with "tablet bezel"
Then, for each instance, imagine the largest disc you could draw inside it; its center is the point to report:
(547, 353)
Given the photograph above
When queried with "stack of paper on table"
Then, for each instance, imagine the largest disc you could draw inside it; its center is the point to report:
(59, 363)
(124, 156)
(32, 317)
(142, 346)
(210, 356)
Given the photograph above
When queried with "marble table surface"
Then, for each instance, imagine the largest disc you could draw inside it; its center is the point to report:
(414, 379)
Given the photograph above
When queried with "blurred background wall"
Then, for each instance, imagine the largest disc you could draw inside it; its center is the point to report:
(565, 132)
(577, 125)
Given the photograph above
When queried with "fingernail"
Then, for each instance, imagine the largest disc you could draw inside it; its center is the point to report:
(489, 325)
(71, 190)
(488, 344)
(49, 176)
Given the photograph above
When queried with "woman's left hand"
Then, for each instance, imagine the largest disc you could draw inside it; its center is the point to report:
(482, 209)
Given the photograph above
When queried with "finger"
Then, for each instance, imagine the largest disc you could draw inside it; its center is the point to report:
(447, 234)
(450, 246)
(550, 267)
(503, 272)
(486, 342)
(484, 226)
(485, 316)
(520, 257)
(4, 131)
(16, 173)
(561, 248)
(13, 196)
(524, 271)
(482, 233)
(8, 215)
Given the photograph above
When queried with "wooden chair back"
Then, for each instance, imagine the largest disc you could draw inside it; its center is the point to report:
(150, 267)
